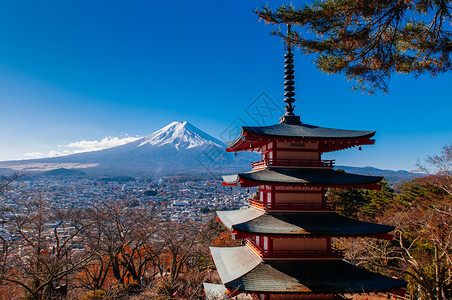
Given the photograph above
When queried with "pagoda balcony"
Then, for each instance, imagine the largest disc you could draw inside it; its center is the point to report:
(294, 254)
(298, 163)
(291, 206)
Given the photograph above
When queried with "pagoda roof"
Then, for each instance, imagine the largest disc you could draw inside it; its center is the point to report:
(305, 276)
(233, 262)
(253, 221)
(301, 176)
(299, 132)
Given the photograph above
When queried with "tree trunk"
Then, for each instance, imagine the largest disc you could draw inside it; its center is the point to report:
(438, 276)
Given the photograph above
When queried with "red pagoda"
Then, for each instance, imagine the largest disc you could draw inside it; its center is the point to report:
(287, 230)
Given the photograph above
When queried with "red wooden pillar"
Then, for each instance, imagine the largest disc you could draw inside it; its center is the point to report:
(272, 191)
(274, 149)
(270, 244)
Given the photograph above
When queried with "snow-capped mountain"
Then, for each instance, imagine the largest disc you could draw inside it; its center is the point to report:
(182, 135)
(177, 148)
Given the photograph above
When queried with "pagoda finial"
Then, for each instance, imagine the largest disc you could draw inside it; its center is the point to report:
(289, 82)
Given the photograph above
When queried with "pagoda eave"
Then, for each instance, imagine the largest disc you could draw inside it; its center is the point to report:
(240, 235)
(255, 143)
(252, 138)
(248, 222)
(316, 178)
(246, 183)
(240, 269)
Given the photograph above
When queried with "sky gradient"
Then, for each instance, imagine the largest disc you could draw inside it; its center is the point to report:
(78, 72)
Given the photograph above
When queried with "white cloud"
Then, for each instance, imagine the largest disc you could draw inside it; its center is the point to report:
(84, 146)
(34, 155)
(106, 142)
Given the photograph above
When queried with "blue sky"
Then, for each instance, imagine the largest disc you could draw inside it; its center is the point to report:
(74, 71)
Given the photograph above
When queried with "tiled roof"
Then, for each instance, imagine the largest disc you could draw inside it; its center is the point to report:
(301, 276)
(327, 276)
(233, 217)
(302, 177)
(233, 262)
(303, 131)
(302, 223)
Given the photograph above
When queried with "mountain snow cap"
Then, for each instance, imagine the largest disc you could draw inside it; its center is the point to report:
(182, 135)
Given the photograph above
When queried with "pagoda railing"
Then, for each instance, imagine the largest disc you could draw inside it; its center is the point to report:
(254, 247)
(257, 204)
(291, 206)
(305, 163)
(331, 253)
(336, 253)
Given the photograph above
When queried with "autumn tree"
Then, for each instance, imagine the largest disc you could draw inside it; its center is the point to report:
(217, 235)
(421, 251)
(369, 40)
(184, 262)
(180, 241)
(36, 247)
(422, 245)
(439, 169)
(120, 240)
(6, 181)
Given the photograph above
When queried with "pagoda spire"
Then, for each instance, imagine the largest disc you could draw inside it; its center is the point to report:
(289, 117)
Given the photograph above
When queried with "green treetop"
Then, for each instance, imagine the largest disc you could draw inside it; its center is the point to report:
(368, 40)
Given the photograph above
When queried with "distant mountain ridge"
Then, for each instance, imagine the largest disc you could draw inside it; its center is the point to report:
(393, 177)
(177, 148)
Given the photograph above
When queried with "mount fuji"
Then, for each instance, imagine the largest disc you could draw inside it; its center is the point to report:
(177, 148)
(180, 135)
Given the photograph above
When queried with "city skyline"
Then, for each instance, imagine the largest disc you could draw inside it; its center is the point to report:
(79, 73)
